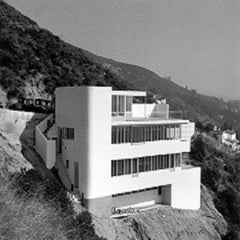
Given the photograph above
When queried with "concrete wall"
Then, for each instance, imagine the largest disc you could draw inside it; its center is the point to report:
(186, 189)
(88, 111)
(142, 110)
(150, 110)
(99, 206)
(160, 111)
(187, 131)
(185, 185)
(128, 150)
(46, 148)
(6, 114)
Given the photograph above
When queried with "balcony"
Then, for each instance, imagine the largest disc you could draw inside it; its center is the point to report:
(147, 112)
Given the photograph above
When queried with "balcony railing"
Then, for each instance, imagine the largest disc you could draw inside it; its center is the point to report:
(144, 116)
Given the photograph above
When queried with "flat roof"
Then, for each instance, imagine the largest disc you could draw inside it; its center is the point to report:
(129, 93)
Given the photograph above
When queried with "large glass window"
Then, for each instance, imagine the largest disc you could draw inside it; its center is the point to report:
(128, 103)
(114, 105)
(146, 133)
(138, 134)
(141, 164)
(120, 167)
(114, 168)
(144, 164)
(127, 166)
(135, 165)
(118, 105)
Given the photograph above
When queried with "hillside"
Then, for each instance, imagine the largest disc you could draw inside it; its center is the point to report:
(220, 174)
(36, 194)
(30, 56)
(166, 223)
(33, 62)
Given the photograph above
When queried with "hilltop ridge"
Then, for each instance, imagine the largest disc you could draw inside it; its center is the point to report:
(33, 62)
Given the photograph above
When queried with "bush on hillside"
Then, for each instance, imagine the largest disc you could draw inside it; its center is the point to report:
(38, 208)
(220, 173)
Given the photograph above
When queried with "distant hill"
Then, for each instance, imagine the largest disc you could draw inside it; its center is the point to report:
(33, 62)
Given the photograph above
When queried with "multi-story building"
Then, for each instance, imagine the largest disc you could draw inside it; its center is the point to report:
(120, 151)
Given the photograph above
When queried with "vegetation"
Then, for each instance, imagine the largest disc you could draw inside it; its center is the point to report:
(34, 208)
(220, 173)
(31, 56)
(34, 55)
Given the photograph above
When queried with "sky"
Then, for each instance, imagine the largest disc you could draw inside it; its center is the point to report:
(196, 42)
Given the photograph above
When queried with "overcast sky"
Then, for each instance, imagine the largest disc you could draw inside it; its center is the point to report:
(196, 42)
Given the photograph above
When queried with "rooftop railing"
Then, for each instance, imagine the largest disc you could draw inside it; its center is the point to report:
(144, 116)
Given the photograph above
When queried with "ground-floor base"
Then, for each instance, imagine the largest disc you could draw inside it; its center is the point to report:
(116, 203)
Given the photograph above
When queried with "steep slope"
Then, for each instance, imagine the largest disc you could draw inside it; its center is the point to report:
(30, 56)
(166, 223)
(220, 173)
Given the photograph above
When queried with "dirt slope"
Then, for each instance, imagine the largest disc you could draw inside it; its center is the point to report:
(166, 223)
(16, 131)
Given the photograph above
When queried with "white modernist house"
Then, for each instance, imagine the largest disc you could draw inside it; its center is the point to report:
(120, 151)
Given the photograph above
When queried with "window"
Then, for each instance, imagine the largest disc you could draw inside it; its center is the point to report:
(159, 190)
(120, 167)
(172, 161)
(127, 134)
(144, 164)
(134, 165)
(138, 134)
(121, 105)
(128, 103)
(67, 163)
(141, 164)
(127, 166)
(118, 105)
(147, 164)
(146, 133)
(114, 104)
(154, 133)
(154, 162)
(114, 168)
(67, 133)
(178, 160)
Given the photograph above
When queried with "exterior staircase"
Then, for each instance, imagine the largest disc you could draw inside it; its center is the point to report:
(62, 172)
(50, 123)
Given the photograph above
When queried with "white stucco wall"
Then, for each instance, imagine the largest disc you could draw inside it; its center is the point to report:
(142, 110)
(227, 136)
(128, 150)
(187, 131)
(185, 185)
(150, 110)
(88, 111)
(46, 148)
(186, 189)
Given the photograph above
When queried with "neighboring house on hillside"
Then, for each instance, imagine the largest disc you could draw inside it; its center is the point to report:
(229, 139)
(119, 153)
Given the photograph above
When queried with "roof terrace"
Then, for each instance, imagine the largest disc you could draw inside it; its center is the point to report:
(133, 106)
